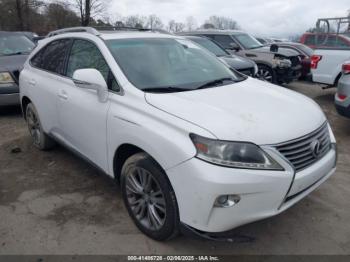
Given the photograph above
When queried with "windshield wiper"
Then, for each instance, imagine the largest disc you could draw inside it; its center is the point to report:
(166, 89)
(216, 82)
(17, 53)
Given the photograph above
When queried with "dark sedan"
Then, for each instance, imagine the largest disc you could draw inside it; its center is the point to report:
(241, 64)
(14, 50)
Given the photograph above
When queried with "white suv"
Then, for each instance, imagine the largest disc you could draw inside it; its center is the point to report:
(191, 142)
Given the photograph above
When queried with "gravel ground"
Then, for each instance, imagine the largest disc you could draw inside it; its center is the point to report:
(55, 203)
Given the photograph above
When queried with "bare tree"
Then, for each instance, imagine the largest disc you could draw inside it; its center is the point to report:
(154, 22)
(59, 15)
(191, 23)
(135, 21)
(222, 22)
(89, 9)
(19, 11)
(175, 27)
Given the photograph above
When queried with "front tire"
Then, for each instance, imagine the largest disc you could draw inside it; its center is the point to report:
(266, 73)
(40, 139)
(149, 197)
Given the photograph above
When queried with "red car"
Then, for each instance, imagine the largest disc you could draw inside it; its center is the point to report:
(325, 40)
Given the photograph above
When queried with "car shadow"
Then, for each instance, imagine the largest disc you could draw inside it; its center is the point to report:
(10, 111)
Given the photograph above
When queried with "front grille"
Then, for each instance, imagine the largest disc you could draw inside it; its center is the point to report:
(302, 152)
(247, 71)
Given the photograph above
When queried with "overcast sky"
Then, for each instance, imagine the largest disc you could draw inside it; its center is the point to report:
(279, 18)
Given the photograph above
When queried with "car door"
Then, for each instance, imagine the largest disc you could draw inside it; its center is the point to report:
(45, 79)
(82, 116)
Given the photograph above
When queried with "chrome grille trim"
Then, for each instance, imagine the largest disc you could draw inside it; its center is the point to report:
(299, 152)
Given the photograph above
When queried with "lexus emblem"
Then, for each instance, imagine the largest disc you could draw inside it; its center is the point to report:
(315, 148)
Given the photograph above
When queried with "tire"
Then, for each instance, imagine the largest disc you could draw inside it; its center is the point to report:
(40, 139)
(266, 73)
(149, 197)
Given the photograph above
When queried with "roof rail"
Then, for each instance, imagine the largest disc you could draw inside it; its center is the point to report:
(120, 28)
(74, 30)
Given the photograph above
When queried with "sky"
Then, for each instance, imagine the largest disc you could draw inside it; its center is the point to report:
(274, 18)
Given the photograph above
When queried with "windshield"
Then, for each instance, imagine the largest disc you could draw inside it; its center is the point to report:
(209, 45)
(247, 41)
(15, 44)
(172, 64)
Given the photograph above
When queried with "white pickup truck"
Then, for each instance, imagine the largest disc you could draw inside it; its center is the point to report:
(326, 65)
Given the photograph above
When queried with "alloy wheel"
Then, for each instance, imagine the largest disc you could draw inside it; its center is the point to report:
(34, 126)
(264, 74)
(145, 198)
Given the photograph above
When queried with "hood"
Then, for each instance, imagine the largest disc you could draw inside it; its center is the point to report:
(12, 63)
(281, 51)
(237, 62)
(251, 110)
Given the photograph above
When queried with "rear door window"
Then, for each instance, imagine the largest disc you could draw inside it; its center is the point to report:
(53, 56)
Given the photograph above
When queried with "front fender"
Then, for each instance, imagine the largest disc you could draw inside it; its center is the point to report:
(165, 137)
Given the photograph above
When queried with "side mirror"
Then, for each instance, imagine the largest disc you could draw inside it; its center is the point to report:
(90, 78)
(274, 48)
(234, 46)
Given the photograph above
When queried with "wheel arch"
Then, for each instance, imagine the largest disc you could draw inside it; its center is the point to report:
(24, 103)
(336, 80)
(123, 152)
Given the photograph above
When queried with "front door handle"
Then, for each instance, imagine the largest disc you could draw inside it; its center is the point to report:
(32, 82)
(63, 95)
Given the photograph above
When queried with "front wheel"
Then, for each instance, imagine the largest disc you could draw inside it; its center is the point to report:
(149, 197)
(266, 73)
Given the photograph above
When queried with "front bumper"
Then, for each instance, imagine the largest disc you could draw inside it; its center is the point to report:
(197, 185)
(287, 75)
(9, 99)
(9, 94)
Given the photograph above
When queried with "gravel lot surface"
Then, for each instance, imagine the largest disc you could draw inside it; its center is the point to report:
(55, 203)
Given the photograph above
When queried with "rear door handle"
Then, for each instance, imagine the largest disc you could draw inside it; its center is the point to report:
(63, 95)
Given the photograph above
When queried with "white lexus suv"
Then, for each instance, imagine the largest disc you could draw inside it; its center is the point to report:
(192, 142)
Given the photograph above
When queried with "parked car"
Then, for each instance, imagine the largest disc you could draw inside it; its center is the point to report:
(281, 66)
(14, 50)
(193, 143)
(342, 97)
(329, 40)
(241, 64)
(305, 54)
(32, 36)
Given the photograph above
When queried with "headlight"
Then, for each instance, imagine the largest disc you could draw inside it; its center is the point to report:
(233, 154)
(6, 78)
(283, 62)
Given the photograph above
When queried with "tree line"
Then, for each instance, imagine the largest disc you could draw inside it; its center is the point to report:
(43, 16)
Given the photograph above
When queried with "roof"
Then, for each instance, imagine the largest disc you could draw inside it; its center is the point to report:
(214, 31)
(112, 32)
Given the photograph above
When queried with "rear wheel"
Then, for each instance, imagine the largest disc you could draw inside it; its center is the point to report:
(149, 197)
(266, 73)
(40, 139)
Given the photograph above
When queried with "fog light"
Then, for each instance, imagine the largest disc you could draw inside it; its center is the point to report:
(227, 200)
